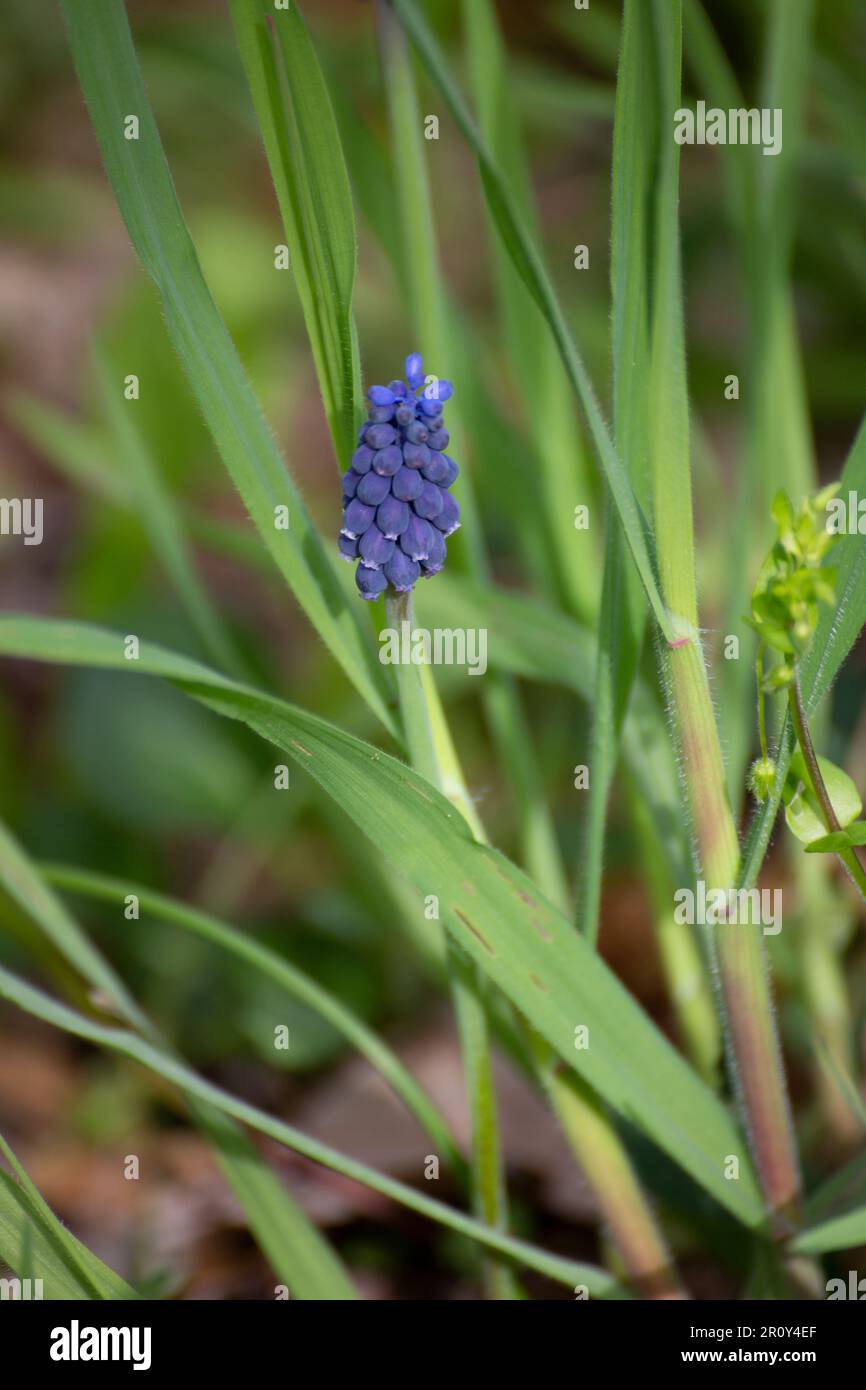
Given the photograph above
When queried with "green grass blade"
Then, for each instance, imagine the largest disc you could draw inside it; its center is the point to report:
(842, 1192)
(283, 974)
(842, 1233)
(34, 1243)
(530, 266)
(300, 1256)
(128, 1044)
(161, 519)
(112, 84)
(840, 626)
(754, 1056)
(305, 156)
(77, 450)
(669, 416)
(622, 619)
(428, 737)
(492, 910)
(538, 377)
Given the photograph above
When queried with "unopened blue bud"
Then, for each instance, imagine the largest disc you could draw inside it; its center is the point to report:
(428, 503)
(362, 459)
(371, 583)
(415, 455)
(374, 548)
(406, 484)
(373, 489)
(414, 369)
(417, 539)
(448, 519)
(356, 518)
(380, 395)
(380, 436)
(435, 560)
(392, 518)
(387, 461)
(401, 572)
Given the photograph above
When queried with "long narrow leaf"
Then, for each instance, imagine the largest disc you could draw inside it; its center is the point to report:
(111, 80)
(128, 1044)
(302, 143)
(35, 1244)
(491, 909)
(283, 974)
(530, 266)
(300, 1256)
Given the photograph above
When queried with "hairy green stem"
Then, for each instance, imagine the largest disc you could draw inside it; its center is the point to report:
(752, 1045)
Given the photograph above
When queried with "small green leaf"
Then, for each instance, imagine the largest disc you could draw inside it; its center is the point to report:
(112, 84)
(842, 1233)
(802, 810)
(839, 840)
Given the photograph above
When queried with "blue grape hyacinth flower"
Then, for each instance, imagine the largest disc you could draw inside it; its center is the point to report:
(397, 509)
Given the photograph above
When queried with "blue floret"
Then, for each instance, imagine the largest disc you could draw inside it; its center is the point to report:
(397, 509)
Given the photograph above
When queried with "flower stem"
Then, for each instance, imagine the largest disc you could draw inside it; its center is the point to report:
(432, 754)
(586, 1124)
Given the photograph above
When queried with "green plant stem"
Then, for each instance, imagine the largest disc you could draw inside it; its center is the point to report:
(762, 712)
(753, 1049)
(432, 754)
(849, 857)
(594, 1138)
(584, 1119)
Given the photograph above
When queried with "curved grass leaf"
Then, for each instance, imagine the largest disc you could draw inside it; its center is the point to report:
(533, 272)
(305, 156)
(128, 1044)
(492, 910)
(35, 1244)
(283, 974)
(548, 409)
(622, 618)
(113, 88)
(300, 1256)
(161, 520)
